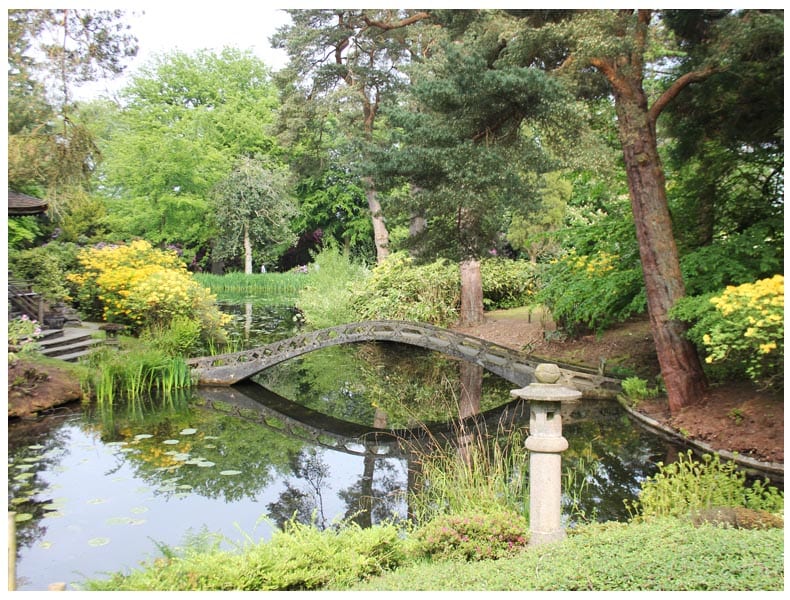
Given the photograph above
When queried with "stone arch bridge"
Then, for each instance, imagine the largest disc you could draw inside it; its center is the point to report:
(512, 365)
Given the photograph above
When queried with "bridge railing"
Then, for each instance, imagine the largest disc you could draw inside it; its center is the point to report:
(513, 365)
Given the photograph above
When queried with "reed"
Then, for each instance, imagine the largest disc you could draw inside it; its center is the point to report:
(136, 374)
(266, 285)
(479, 472)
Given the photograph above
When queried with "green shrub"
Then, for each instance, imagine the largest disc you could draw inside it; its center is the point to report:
(45, 268)
(403, 289)
(179, 337)
(471, 536)
(507, 283)
(400, 289)
(635, 390)
(299, 557)
(591, 292)
(327, 297)
(688, 485)
(22, 335)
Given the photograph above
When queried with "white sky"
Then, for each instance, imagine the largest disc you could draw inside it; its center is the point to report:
(165, 27)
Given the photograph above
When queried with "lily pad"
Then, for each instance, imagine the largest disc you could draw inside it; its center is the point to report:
(36, 447)
(142, 436)
(45, 545)
(53, 514)
(206, 463)
(138, 510)
(230, 472)
(24, 476)
(22, 517)
(97, 501)
(98, 541)
(170, 442)
(188, 431)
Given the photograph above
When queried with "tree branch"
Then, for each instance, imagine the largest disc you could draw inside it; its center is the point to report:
(388, 26)
(673, 90)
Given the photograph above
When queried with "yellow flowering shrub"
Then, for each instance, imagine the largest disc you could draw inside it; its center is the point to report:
(141, 286)
(743, 330)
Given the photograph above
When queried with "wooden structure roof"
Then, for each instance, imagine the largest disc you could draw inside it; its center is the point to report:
(20, 204)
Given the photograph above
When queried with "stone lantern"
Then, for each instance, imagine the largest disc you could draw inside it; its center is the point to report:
(545, 444)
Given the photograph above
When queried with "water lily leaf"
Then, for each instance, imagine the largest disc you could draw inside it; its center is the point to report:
(118, 520)
(98, 541)
(142, 436)
(210, 437)
(22, 517)
(97, 501)
(55, 514)
(188, 431)
(36, 447)
(25, 467)
(209, 446)
(230, 472)
(185, 486)
(113, 444)
(171, 442)
(205, 463)
(32, 459)
(19, 500)
(138, 510)
(24, 476)
(45, 545)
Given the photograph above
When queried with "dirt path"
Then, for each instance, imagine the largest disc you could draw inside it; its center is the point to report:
(734, 417)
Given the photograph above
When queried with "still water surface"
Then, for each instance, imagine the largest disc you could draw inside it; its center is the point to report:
(103, 491)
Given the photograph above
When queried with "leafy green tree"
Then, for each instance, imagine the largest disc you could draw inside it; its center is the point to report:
(50, 150)
(187, 119)
(334, 202)
(464, 149)
(360, 50)
(252, 206)
(617, 49)
(530, 232)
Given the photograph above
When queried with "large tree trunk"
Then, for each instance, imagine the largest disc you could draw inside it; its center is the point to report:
(247, 250)
(471, 293)
(381, 236)
(681, 368)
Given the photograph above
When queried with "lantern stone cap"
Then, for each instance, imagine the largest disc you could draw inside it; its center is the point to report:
(546, 389)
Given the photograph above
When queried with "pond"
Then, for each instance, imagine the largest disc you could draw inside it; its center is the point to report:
(100, 491)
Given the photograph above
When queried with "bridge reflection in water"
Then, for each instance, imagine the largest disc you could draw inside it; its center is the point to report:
(619, 469)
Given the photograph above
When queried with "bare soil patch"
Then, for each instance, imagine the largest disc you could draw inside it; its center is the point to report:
(736, 417)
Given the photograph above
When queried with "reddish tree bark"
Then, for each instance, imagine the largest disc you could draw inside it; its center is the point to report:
(681, 368)
(471, 293)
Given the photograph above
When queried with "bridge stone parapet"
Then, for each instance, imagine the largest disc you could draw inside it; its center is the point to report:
(512, 365)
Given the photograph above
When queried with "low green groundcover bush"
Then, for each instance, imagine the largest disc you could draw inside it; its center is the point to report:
(472, 536)
(665, 554)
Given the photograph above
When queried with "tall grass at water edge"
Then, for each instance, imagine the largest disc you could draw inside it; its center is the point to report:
(274, 286)
(134, 374)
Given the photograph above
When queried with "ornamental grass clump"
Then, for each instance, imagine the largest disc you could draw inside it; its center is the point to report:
(141, 287)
